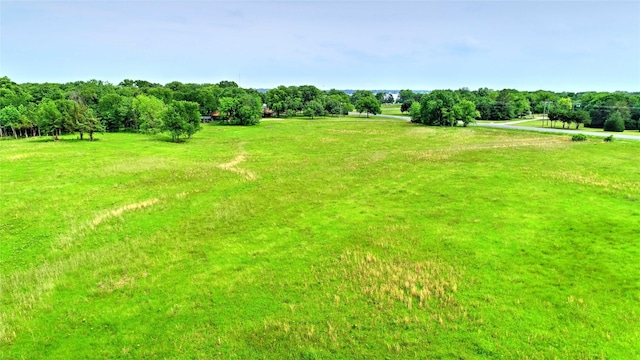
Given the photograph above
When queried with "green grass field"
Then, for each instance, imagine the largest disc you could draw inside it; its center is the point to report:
(558, 125)
(392, 109)
(321, 239)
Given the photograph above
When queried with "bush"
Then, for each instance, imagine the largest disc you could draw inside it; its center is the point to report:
(614, 122)
(579, 137)
(608, 138)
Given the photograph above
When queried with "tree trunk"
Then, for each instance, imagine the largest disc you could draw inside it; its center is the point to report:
(91, 135)
(26, 133)
(81, 135)
(14, 132)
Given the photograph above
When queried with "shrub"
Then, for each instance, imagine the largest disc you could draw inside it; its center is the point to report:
(579, 137)
(608, 138)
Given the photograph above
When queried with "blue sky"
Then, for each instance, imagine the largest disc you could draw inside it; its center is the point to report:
(526, 45)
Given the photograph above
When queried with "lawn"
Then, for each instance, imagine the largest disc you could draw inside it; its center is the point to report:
(320, 238)
(558, 125)
(392, 109)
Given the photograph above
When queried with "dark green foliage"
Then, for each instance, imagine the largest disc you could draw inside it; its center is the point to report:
(408, 96)
(243, 110)
(567, 117)
(436, 108)
(181, 118)
(406, 105)
(615, 122)
(87, 122)
(10, 117)
(360, 94)
(579, 137)
(608, 138)
(313, 108)
(368, 104)
(115, 112)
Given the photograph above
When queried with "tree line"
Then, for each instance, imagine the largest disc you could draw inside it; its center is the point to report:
(87, 107)
(36, 109)
(613, 111)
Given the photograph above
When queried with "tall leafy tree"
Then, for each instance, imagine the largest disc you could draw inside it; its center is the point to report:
(88, 122)
(69, 113)
(436, 108)
(112, 111)
(276, 99)
(244, 110)
(149, 111)
(10, 118)
(615, 122)
(313, 108)
(368, 104)
(49, 118)
(465, 111)
(173, 122)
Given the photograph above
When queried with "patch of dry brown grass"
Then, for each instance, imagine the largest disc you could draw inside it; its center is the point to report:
(233, 167)
(506, 143)
(416, 285)
(592, 179)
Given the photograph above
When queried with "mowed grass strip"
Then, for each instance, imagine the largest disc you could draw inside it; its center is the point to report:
(320, 238)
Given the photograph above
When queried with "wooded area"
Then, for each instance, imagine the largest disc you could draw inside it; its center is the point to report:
(87, 107)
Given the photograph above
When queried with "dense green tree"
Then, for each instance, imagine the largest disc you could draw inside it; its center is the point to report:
(227, 84)
(407, 96)
(87, 122)
(27, 123)
(414, 112)
(406, 105)
(115, 112)
(49, 118)
(465, 111)
(191, 111)
(276, 99)
(359, 94)
(10, 118)
(436, 108)
(162, 93)
(173, 122)
(244, 110)
(564, 104)
(309, 93)
(313, 108)
(69, 114)
(580, 117)
(337, 105)
(615, 122)
(148, 110)
(368, 104)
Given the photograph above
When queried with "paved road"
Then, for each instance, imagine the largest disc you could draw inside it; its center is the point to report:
(527, 128)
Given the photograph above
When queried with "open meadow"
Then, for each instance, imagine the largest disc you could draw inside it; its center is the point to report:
(392, 109)
(326, 238)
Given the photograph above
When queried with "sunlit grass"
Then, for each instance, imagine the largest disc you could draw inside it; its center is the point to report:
(392, 109)
(558, 125)
(327, 238)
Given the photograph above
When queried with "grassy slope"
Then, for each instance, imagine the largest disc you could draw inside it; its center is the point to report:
(321, 238)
